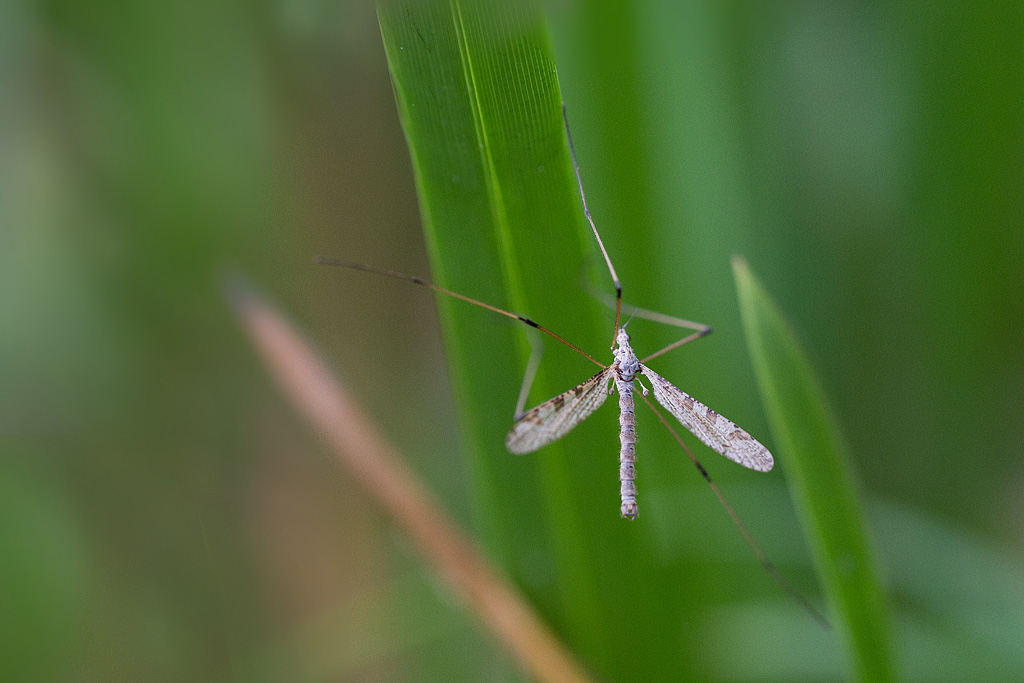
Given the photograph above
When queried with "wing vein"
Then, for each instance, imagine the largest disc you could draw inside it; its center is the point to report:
(556, 417)
(715, 431)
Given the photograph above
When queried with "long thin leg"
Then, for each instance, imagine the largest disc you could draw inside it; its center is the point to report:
(675, 345)
(536, 351)
(637, 312)
(761, 556)
(645, 313)
(326, 261)
(702, 330)
(600, 242)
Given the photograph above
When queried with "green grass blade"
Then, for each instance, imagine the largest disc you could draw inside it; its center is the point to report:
(812, 453)
(479, 102)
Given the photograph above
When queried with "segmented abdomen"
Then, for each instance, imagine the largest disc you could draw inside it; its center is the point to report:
(627, 452)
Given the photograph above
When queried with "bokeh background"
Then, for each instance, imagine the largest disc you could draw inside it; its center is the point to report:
(165, 516)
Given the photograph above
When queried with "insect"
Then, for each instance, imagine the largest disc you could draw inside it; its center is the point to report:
(556, 417)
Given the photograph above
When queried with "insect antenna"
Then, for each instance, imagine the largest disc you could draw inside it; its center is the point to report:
(327, 261)
(762, 557)
(629, 319)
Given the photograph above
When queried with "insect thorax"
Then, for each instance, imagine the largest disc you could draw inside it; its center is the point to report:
(625, 360)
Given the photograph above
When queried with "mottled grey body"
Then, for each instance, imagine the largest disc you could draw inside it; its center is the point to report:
(626, 366)
(627, 449)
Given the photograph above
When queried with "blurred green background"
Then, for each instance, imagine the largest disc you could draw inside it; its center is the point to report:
(165, 516)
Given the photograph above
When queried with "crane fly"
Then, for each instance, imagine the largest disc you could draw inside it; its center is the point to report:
(556, 417)
(553, 419)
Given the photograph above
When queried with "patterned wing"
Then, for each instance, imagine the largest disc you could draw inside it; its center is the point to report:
(714, 430)
(554, 419)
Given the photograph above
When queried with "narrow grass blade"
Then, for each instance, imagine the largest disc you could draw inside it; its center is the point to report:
(480, 106)
(304, 378)
(811, 451)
